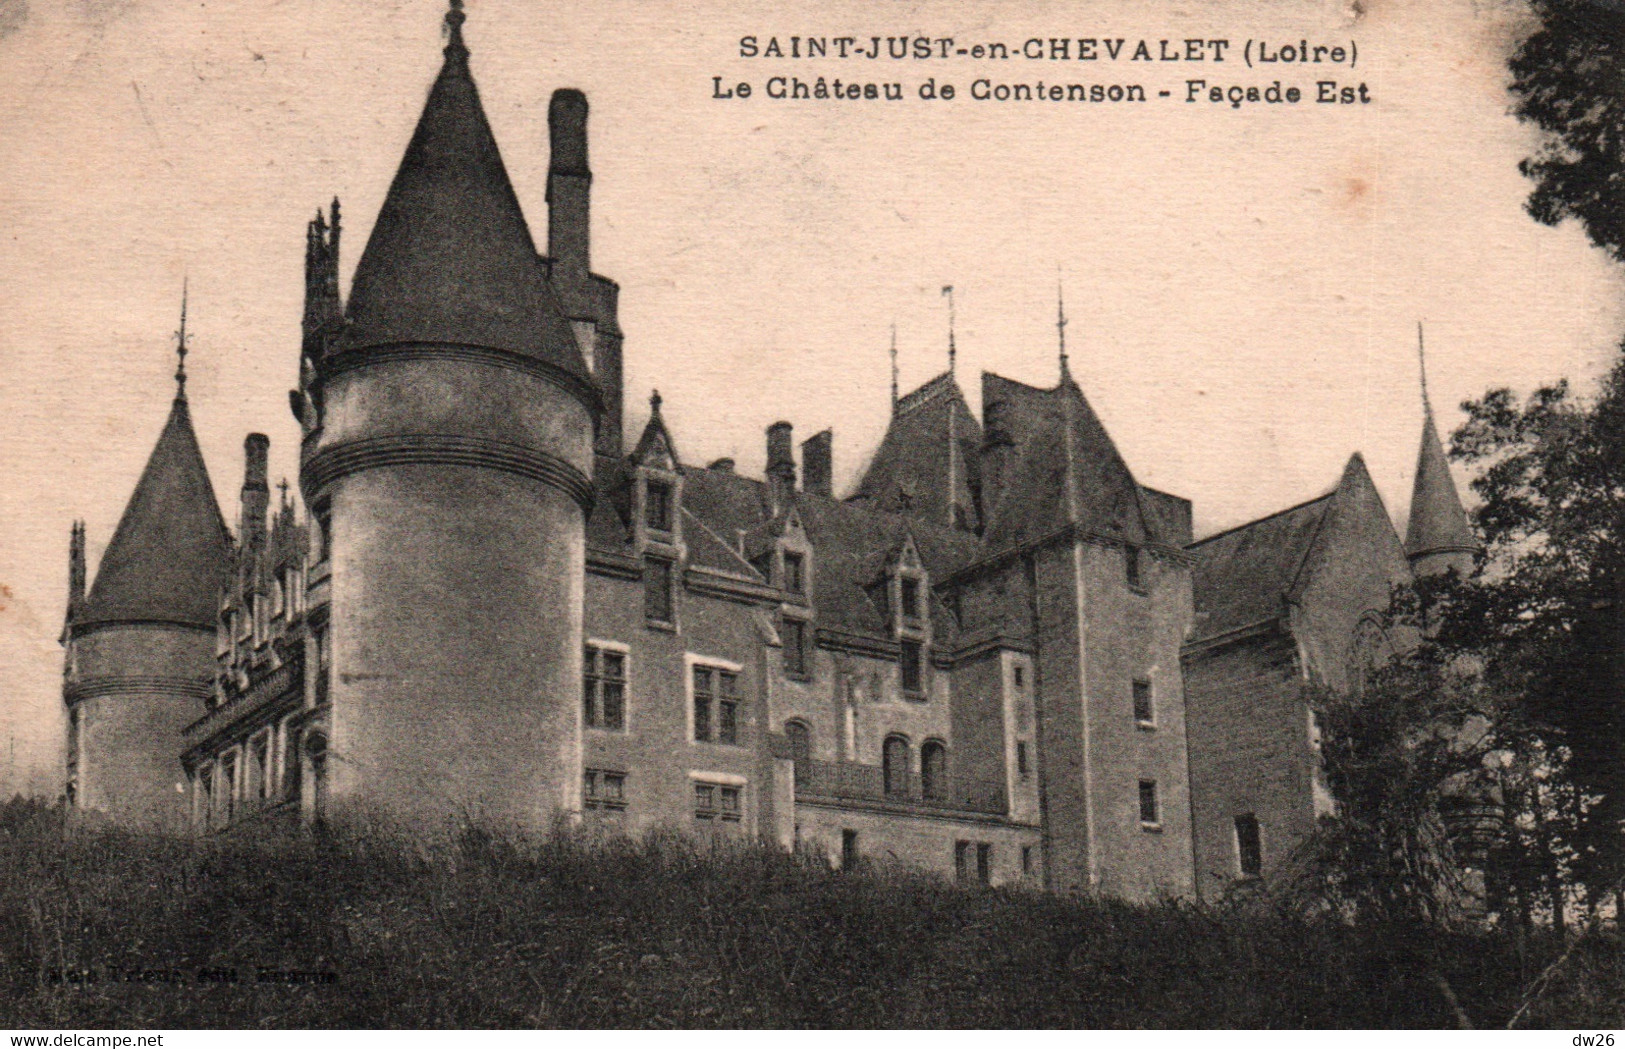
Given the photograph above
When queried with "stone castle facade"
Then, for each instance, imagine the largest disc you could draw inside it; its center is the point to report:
(1001, 657)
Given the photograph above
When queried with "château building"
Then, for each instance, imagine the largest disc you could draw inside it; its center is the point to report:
(1000, 657)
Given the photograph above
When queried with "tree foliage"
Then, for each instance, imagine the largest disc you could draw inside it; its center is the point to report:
(1569, 80)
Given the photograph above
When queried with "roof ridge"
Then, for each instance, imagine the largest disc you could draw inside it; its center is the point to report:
(1259, 520)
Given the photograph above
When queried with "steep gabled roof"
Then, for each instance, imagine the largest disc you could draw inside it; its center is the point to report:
(929, 455)
(170, 554)
(1065, 469)
(1438, 523)
(1251, 573)
(451, 259)
(1242, 576)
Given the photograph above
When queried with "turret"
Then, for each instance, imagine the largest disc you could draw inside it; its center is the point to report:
(450, 480)
(1438, 538)
(140, 644)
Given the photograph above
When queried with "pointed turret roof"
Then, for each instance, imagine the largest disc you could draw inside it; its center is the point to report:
(169, 555)
(451, 259)
(1438, 523)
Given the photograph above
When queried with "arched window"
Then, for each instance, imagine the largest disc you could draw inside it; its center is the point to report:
(1369, 650)
(934, 769)
(800, 737)
(894, 764)
(316, 753)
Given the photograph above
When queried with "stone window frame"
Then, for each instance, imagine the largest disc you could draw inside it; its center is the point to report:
(592, 677)
(603, 789)
(718, 788)
(1150, 802)
(651, 587)
(1147, 684)
(1242, 873)
(693, 662)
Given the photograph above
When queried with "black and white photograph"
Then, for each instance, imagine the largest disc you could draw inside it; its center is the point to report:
(1016, 514)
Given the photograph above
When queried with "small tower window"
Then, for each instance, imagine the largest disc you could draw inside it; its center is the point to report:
(657, 506)
(1131, 567)
(1144, 712)
(1021, 758)
(1150, 815)
(1249, 847)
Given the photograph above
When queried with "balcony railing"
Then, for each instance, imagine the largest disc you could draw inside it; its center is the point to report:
(848, 781)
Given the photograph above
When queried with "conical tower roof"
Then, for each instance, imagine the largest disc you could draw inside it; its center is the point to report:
(1438, 523)
(169, 554)
(451, 259)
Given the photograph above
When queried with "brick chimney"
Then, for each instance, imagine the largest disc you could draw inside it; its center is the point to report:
(256, 497)
(817, 464)
(781, 464)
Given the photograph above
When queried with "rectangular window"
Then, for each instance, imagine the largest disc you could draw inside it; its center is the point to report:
(912, 674)
(1131, 567)
(657, 589)
(604, 688)
(849, 849)
(1249, 847)
(962, 860)
(1149, 816)
(908, 596)
(718, 803)
(603, 790)
(716, 705)
(795, 573)
(1144, 714)
(1026, 859)
(984, 863)
(657, 506)
(1021, 758)
(1021, 677)
(795, 647)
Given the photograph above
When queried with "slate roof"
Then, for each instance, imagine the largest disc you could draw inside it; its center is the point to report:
(1243, 576)
(1066, 470)
(1438, 522)
(914, 457)
(451, 259)
(170, 554)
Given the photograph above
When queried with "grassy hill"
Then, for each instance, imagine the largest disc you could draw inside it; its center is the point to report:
(106, 929)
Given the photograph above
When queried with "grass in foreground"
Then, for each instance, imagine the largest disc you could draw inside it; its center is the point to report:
(669, 933)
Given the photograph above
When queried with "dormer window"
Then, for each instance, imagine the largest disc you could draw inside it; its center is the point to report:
(657, 506)
(795, 573)
(908, 597)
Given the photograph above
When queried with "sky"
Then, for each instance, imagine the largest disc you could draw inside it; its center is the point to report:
(1243, 284)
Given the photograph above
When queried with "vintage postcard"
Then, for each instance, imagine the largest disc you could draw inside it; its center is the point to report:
(601, 514)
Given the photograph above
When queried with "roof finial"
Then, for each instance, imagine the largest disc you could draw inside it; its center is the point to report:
(654, 402)
(180, 349)
(455, 48)
(283, 488)
(1422, 362)
(1060, 320)
(948, 290)
(894, 367)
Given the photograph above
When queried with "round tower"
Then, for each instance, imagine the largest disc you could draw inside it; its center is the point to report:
(140, 647)
(448, 475)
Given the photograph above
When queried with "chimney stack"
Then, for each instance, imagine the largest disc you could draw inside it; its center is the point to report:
(256, 497)
(76, 568)
(781, 464)
(569, 187)
(817, 464)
